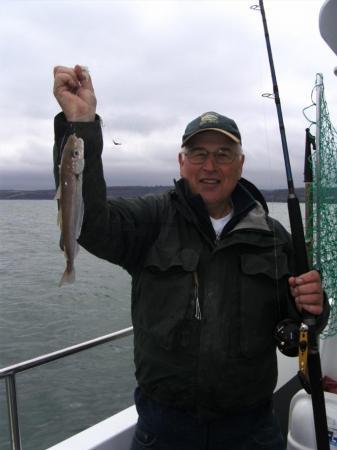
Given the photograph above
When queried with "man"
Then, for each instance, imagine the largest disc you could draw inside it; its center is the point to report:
(210, 281)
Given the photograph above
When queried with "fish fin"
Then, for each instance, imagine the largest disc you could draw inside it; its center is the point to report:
(58, 193)
(59, 219)
(61, 242)
(58, 197)
(79, 221)
(68, 277)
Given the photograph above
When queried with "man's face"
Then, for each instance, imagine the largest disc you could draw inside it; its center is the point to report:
(213, 181)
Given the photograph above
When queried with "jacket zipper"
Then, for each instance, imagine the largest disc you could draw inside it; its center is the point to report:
(197, 313)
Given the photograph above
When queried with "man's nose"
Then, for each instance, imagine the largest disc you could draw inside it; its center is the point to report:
(210, 163)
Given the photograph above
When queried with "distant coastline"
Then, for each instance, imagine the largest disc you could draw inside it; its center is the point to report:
(276, 195)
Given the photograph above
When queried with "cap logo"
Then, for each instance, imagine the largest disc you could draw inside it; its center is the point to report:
(208, 118)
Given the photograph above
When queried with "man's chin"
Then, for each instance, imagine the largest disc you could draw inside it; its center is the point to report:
(210, 200)
(211, 194)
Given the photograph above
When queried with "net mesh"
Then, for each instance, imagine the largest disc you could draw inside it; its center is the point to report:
(322, 231)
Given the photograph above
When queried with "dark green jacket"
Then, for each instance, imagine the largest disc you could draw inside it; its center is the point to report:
(203, 310)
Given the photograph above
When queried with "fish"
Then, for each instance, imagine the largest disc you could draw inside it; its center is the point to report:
(71, 205)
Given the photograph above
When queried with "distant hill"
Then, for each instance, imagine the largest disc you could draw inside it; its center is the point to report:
(276, 195)
(17, 194)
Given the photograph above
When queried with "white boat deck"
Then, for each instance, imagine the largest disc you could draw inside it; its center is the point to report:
(114, 433)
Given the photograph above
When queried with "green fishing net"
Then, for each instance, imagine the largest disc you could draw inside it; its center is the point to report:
(321, 228)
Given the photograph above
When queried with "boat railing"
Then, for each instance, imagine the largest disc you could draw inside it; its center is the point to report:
(9, 373)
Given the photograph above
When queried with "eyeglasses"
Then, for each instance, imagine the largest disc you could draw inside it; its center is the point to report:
(221, 156)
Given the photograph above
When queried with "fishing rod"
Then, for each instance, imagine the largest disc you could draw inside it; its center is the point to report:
(310, 364)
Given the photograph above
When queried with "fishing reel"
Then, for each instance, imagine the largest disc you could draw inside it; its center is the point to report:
(287, 335)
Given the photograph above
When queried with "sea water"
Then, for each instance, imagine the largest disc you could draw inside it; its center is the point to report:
(37, 317)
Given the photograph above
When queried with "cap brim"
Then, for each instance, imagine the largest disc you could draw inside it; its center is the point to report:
(227, 133)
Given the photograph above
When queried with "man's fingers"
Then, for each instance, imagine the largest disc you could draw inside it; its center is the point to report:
(64, 79)
(67, 74)
(307, 292)
(312, 306)
(312, 309)
(308, 277)
(75, 77)
(74, 92)
(63, 69)
(310, 288)
(309, 282)
(83, 75)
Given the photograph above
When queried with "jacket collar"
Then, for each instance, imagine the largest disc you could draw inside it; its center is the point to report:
(243, 202)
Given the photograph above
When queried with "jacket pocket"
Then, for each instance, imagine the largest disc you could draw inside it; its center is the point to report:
(164, 294)
(264, 289)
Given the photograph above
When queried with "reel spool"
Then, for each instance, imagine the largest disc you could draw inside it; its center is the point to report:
(287, 334)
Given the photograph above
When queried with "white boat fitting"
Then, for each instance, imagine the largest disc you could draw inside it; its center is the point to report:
(301, 435)
(327, 23)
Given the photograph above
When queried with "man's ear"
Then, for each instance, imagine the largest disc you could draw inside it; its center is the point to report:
(181, 159)
(241, 166)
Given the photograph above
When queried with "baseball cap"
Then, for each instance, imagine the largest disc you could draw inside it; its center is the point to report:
(212, 121)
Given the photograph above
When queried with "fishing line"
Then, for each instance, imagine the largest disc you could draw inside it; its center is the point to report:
(270, 181)
(272, 186)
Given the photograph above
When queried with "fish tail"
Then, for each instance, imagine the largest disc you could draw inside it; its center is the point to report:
(68, 277)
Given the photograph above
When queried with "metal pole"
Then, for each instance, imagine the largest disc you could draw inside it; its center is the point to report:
(319, 93)
(8, 373)
(44, 359)
(13, 412)
(310, 143)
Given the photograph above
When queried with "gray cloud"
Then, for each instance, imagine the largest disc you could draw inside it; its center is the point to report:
(155, 66)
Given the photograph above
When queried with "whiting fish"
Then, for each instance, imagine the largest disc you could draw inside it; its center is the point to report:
(70, 198)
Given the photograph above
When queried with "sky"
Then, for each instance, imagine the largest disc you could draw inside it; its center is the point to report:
(155, 66)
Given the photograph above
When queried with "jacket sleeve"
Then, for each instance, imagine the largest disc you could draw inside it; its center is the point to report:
(120, 230)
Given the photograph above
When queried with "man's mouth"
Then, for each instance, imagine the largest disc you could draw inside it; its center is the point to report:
(209, 181)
